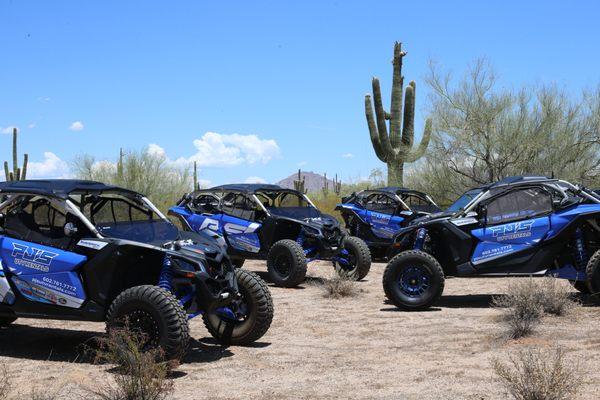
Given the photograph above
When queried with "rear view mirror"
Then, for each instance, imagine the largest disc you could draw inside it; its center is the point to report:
(70, 229)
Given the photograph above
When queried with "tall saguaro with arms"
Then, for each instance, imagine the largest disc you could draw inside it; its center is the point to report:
(396, 148)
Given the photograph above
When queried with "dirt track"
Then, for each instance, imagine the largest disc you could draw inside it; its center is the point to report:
(320, 348)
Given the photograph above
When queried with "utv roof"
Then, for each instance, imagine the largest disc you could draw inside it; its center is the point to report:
(517, 180)
(249, 187)
(395, 190)
(58, 187)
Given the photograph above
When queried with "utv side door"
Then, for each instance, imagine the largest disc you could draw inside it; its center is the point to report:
(383, 215)
(35, 255)
(237, 223)
(514, 223)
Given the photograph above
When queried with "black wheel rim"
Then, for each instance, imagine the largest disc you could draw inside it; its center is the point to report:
(143, 324)
(281, 265)
(414, 281)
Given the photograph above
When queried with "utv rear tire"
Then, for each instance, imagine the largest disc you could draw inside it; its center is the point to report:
(593, 273)
(286, 263)
(154, 312)
(256, 297)
(6, 321)
(581, 286)
(360, 254)
(413, 280)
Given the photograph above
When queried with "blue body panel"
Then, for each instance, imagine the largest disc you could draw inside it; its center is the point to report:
(383, 226)
(43, 274)
(241, 234)
(505, 239)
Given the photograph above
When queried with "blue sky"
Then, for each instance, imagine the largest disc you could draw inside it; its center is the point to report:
(278, 84)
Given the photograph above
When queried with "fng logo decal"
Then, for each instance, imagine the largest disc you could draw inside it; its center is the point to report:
(238, 229)
(512, 231)
(33, 258)
(210, 224)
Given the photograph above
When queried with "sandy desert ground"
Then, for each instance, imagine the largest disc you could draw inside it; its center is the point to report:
(359, 348)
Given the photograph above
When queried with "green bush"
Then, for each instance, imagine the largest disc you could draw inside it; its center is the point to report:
(148, 173)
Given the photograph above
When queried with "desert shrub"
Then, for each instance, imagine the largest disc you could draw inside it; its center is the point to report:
(147, 172)
(141, 374)
(527, 300)
(521, 308)
(326, 203)
(339, 287)
(538, 375)
(555, 297)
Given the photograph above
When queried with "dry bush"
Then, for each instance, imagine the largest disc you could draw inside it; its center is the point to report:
(140, 375)
(339, 287)
(527, 301)
(521, 308)
(538, 375)
(555, 297)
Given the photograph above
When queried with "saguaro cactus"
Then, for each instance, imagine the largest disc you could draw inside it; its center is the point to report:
(17, 174)
(300, 183)
(337, 186)
(395, 149)
(120, 165)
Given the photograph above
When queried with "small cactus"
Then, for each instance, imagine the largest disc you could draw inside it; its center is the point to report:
(17, 174)
(196, 184)
(325, 187)
(299, 184)
(337, 185)
(120, 165)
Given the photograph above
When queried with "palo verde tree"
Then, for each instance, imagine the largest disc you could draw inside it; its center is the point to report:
(396, 147)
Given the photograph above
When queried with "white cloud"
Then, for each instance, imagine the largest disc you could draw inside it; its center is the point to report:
(156, 150)
(51, 167)
(31, 125)
(348, 155)
(8, 129)
(43, 99)
(218, 150)
(76, 126)
(302, 163)
(255, 179)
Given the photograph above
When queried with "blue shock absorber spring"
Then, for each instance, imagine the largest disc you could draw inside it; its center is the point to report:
(581, 257)
(420, 239)
(300, 239)
(166, 275)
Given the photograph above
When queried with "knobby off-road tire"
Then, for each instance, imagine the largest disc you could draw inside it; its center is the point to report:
(286, 263)
(593, 274)
(581, 286)
(155, 313)
(413, 280)
(6, 321)
(256, 297)
(361, 257)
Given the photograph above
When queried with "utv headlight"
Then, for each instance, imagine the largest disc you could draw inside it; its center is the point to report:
(183, 266)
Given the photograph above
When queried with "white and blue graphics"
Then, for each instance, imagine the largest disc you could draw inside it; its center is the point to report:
(43, 274)
(503, 239)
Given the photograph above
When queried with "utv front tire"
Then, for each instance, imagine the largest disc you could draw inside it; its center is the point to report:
(238, 262)
(359, 257)
(593, 273)
(286, 263)
(254, 313)
(6, 321)
(154, 313)
(413, 280)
